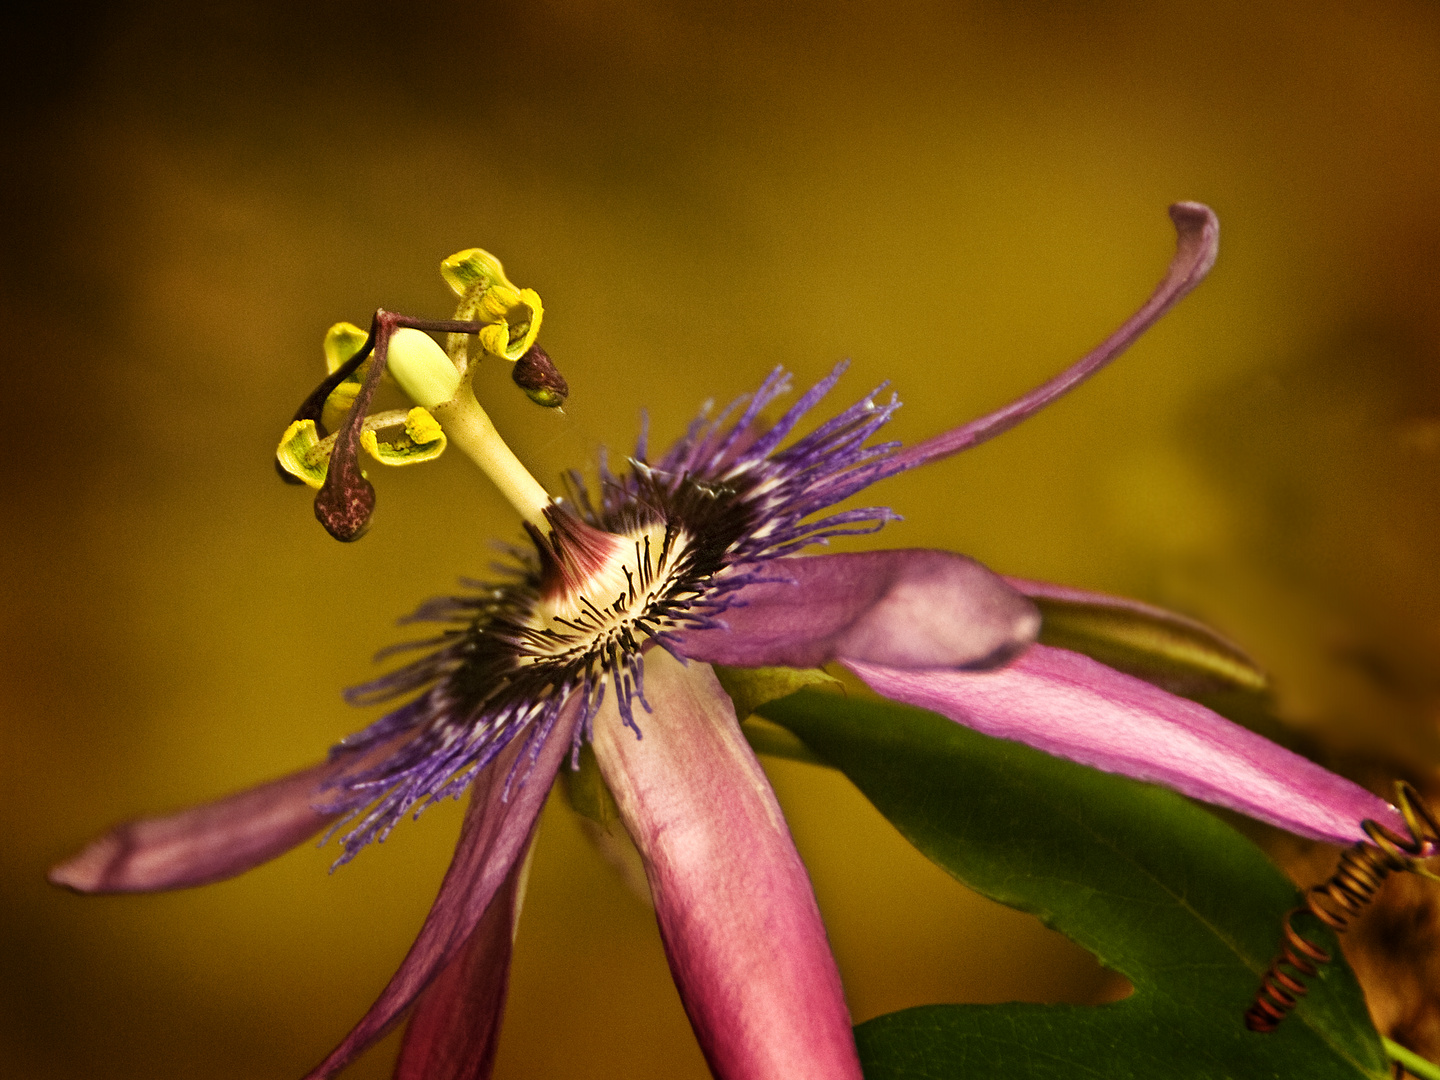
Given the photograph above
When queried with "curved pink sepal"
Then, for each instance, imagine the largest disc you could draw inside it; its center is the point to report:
(455, 1029)
(1197, 243)
(496, 833)
(1073, 707)
(736, 911)
(902, 608)
(205, 843)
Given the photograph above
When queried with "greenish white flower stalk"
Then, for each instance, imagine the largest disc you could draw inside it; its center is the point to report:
(469, 427)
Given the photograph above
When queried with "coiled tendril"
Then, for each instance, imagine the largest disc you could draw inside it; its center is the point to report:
(1363, 869)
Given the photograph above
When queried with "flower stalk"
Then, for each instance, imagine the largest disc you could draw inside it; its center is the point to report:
(470, 428)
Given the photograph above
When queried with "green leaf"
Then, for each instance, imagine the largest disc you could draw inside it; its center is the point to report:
(1158, 889)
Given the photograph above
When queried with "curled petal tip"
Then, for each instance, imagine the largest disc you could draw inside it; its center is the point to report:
(203, 844)
(1196, 245)
(83, 873)
(1194, 216)
(1197, 242)
(1191, 216)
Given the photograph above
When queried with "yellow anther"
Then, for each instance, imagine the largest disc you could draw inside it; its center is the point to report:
(342, 341)
(303, 454)
(496, 302)
(423, 440)
(422, 427)
(466, 269)
(512, 315)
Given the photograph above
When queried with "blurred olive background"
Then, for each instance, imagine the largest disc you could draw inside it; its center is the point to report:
(960, 197)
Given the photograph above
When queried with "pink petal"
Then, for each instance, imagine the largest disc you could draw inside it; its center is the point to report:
(206, 843)
(455, 1029)
(736, 912)
(1070, 706)
(1197, 242)
(496, 833)
(903, 608)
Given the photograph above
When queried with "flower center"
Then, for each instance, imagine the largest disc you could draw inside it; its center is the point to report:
(622, 598)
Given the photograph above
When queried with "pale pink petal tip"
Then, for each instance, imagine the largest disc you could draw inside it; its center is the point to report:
(1073, 707)
(203, 844)
(737, 915)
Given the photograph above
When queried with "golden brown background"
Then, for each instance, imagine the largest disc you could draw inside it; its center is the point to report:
(962, 197)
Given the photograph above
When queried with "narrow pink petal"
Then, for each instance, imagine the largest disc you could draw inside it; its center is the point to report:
(1197, 235)
(904, 608)
(1070, 706)
(206, 843)
(736, 911)
(455, 1029)
(496, 833)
